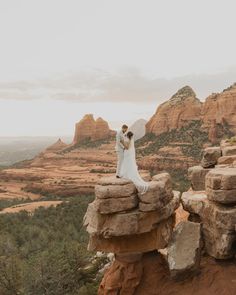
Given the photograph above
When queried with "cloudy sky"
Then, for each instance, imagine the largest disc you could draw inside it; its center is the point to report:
(118, 59)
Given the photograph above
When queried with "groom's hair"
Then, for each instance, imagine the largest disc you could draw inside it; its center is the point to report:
(124, 127)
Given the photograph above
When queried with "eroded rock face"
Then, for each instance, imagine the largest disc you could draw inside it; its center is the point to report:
(123, 277)
(184, 250)
(218, 222)
(197, 175)
(179, 110)
(157, 238)
(221, 108)
(217, 113)
(89, 129)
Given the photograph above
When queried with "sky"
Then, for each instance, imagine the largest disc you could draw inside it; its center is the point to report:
(118, 59)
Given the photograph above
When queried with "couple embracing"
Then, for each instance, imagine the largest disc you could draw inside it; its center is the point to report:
(126, 159)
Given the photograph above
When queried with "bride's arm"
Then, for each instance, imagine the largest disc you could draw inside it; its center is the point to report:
(125, 144)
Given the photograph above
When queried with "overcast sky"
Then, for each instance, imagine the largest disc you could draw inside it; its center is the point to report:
(118, 59)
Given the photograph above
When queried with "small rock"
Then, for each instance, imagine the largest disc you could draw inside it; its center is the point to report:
(210, 157)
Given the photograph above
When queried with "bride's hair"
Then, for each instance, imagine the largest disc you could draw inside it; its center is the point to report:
(130, 135)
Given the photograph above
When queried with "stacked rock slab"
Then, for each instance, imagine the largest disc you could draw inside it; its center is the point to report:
(197, 174)
(124, 222)
(215, 207)
(184, 250)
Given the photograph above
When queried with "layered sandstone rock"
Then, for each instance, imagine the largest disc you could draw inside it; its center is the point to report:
(221, 109)
(89, 129)
(179, 110)
(217, 114)
(218, 223)
(215, 204)
(124, 222)
(196, 175)
(221, 185)
(184, 250)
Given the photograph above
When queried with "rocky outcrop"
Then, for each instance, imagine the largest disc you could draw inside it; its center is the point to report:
(178, 111)
(214, 206)
(217, 114)
(184, 250)
(124, 222)
(210, 157)
(89, 129)
(138, 128)
(197, 175)
(218, 223)
(221, 109)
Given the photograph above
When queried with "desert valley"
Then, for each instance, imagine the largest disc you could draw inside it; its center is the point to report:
(171, 142)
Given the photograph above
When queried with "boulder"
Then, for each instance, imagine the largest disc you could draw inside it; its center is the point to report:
(221, 185)
(155, 239)
(114, 191)
(158, 195)
(184, 250)
(196, 175)
(210, 157)
(113, 205)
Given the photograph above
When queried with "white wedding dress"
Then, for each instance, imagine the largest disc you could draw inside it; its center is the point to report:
(129, 169)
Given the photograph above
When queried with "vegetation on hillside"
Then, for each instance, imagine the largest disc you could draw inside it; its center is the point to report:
(45, 253)
(191, 137)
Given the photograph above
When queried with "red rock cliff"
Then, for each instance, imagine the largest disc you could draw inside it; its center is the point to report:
(88, 128)
(216, 113)
(178, 111)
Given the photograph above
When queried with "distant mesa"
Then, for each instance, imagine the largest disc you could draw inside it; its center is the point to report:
(90, 129)
(216, 114)
(138, 128)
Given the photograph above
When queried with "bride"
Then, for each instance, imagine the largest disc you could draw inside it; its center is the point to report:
(129, 167)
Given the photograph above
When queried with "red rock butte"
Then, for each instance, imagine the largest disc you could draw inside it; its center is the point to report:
(183, 107)
(90, 129)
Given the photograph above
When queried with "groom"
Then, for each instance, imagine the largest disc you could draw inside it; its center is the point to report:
(120, 148)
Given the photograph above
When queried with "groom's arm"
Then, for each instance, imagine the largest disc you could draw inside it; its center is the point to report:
(119, 140)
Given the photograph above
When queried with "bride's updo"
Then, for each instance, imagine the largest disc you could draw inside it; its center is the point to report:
(130, 135)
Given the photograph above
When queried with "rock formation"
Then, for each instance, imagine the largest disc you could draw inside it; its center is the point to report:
(178, 111)
(89, 129)
(217, 114)
(122, 221)
(138, 128)
(212, 201)
(184, 250)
